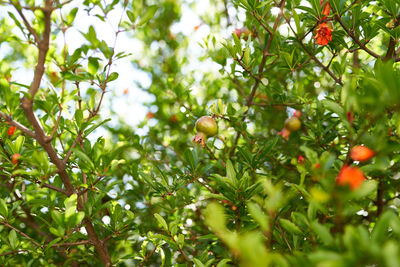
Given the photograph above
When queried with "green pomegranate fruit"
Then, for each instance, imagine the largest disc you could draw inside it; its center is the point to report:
(293, 124)
(206, 127)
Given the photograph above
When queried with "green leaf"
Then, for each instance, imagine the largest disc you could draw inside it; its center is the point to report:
(79, 117)
(198, 263)
(230, 172)
(290, 227)
(333, 106)
(12, 237)
(71, 15)
(113, 76)
(70, 206)
(131, 16)
(151, 10)
(93, 65)
(18, 144)
(259, 216)
(3, 208)
(323, 232)
(223, 263)
(161, 220)
(82, 156)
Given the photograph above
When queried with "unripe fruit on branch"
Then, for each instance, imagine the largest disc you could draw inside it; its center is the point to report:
(206, 127)
(293, 124)
(15, 159)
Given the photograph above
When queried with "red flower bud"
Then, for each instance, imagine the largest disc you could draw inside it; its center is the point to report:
(11, 130)
(361, 153)
(297, 114)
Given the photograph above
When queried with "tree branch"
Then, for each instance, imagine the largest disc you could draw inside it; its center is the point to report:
(260, 71)
(13, 252)
(326, 69)
(355, 39)
(17, 124)
(55, 188)
(26, 22)
(21, 233)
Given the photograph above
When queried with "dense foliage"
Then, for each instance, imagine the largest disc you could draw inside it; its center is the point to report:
(304, 169)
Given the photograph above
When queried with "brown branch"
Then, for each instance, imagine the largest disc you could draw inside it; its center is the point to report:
(69, 153)
(26, 22)
(13, 252)
(148, 257)
(327, 70)
(355, 39)
(55, 128)
(55, 188)
(87, 189)
(260, 71)
(179, 248)
(240, 88)
(262, 23)
(284, 237)
(83, 242)
(17, 124)
(21, 233)
(40, 136)
(379, 198)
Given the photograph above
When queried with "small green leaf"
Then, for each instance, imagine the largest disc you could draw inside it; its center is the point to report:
(290, 227)
(161, 220)
(3, 208)
(198, 263)
(113, 76)
(148, 15)
(81, 155)
(12, 237)
(71, 15)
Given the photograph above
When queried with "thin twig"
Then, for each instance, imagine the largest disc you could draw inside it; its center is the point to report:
(83, 242)
(21, 233)
(260, 72)
(26, 22)
(17, 124)
(355, 39)
(148, 256)
(327, 70)
(55, 188)
(13, 252)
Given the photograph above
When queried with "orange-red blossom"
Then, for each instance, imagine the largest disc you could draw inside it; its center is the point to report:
(324, 29)
(361, 153)
(11, 130)
(352, 176)
(324, 33)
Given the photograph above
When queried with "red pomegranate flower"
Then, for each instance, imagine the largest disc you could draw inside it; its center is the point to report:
(324, 33)
(361, 153)
(352, 176)
(11, 130)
